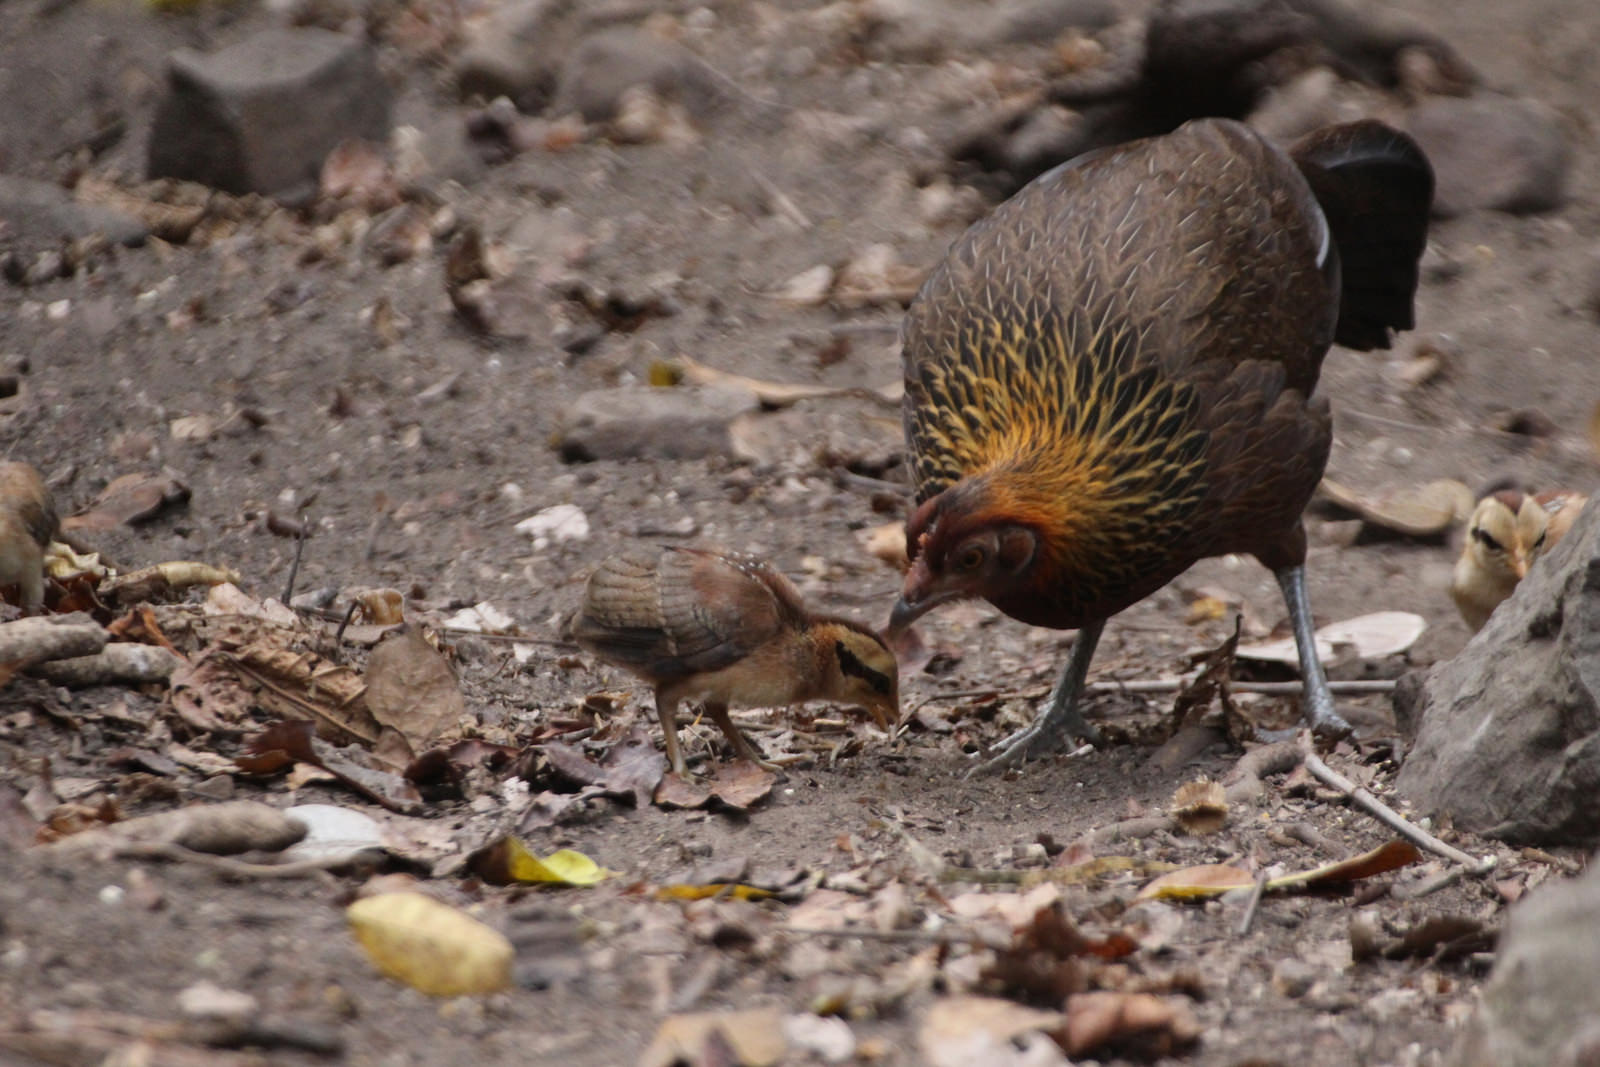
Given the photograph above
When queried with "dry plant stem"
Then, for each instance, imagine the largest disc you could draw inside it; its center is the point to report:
(1393, 819)
(1243, 782)
(914, 937)
(120, 663)
(1249, 917)
(1432, 884)
(294, 568)
(164, 850)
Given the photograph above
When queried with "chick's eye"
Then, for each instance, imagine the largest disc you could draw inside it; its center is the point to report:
(1540, 542)
(1487, 540)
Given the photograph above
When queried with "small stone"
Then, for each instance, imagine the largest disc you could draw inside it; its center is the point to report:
(1493, 152)
(629, 422)
(1293, 978)
(608, 64)
(222, 121)
(205, 1000)
(555, 525)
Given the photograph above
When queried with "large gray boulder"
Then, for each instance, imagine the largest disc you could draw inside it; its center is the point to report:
(1541, 1005)
(1493, 152)
(1507, 734)
(261, 115)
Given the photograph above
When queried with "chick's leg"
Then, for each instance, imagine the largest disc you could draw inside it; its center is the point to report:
(1060, 717)
(667, 712)
(742, 748)
(1319, 711)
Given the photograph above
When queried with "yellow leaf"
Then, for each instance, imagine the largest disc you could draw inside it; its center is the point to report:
(1197, 883)
(431, 946)
(1381, 860)
(726, 890)
(564, 867)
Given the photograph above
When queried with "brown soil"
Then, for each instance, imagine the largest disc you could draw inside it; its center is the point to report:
(421, 491)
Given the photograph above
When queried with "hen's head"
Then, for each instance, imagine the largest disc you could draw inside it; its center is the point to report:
(962, 547)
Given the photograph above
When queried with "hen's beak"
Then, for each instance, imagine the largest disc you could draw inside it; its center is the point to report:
(917, 599)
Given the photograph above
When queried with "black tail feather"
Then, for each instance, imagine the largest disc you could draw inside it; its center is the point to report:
(1376, 189)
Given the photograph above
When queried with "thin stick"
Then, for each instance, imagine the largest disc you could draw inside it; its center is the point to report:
(917, 937)
(294, 568)
(1393, 819)
(1432, 884)
(1249, 917)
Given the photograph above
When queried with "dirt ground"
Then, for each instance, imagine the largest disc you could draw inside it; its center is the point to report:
(412, 460)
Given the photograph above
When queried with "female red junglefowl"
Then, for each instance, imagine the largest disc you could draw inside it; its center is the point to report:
(1110, 377)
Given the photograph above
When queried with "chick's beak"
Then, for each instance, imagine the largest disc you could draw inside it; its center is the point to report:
(884, 714)
(1519, 564)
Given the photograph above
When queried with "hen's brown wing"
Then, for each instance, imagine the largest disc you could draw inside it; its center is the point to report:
(1115, 277)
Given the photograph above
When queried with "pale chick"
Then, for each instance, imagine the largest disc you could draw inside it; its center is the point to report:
(727, 629)
(28, 524)
(1508, 531)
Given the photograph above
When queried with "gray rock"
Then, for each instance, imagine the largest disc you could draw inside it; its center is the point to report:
(1493, 152)
(261, 115)
(637, 421)
(609, 63)
(1041, 21)
(517, 53)
(1507, 734)
(35, 214)
(1541, 1005)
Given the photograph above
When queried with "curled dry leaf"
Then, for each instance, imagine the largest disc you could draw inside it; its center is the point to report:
(1383, 633)
(1426, 512)
(284, 743)
(769, 394)
(130, 499)
(1201, 807)
(162, 580)
(430, 946)
(507, 860)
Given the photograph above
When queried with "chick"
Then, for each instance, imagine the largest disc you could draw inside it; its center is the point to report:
(727, 629)
(1507, 532)
(28, 523)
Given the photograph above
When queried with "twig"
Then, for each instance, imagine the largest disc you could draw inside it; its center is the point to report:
(781, 201)
(294, 568)
(917, 937)
(1249, 917)
(1391, 818)
(165, 850)
(1431, 884)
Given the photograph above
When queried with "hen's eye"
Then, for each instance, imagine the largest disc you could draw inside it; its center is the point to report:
(970, 559)
(1486, 539)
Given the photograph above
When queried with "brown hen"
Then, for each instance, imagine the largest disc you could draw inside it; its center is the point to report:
(727, 629)
(1110, 377)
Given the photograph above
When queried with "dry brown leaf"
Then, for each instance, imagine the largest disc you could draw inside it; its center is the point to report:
(357, 175)
(1140, 1023)
(285, 742)
(302, 685)
(411, 688)
(130, 499)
